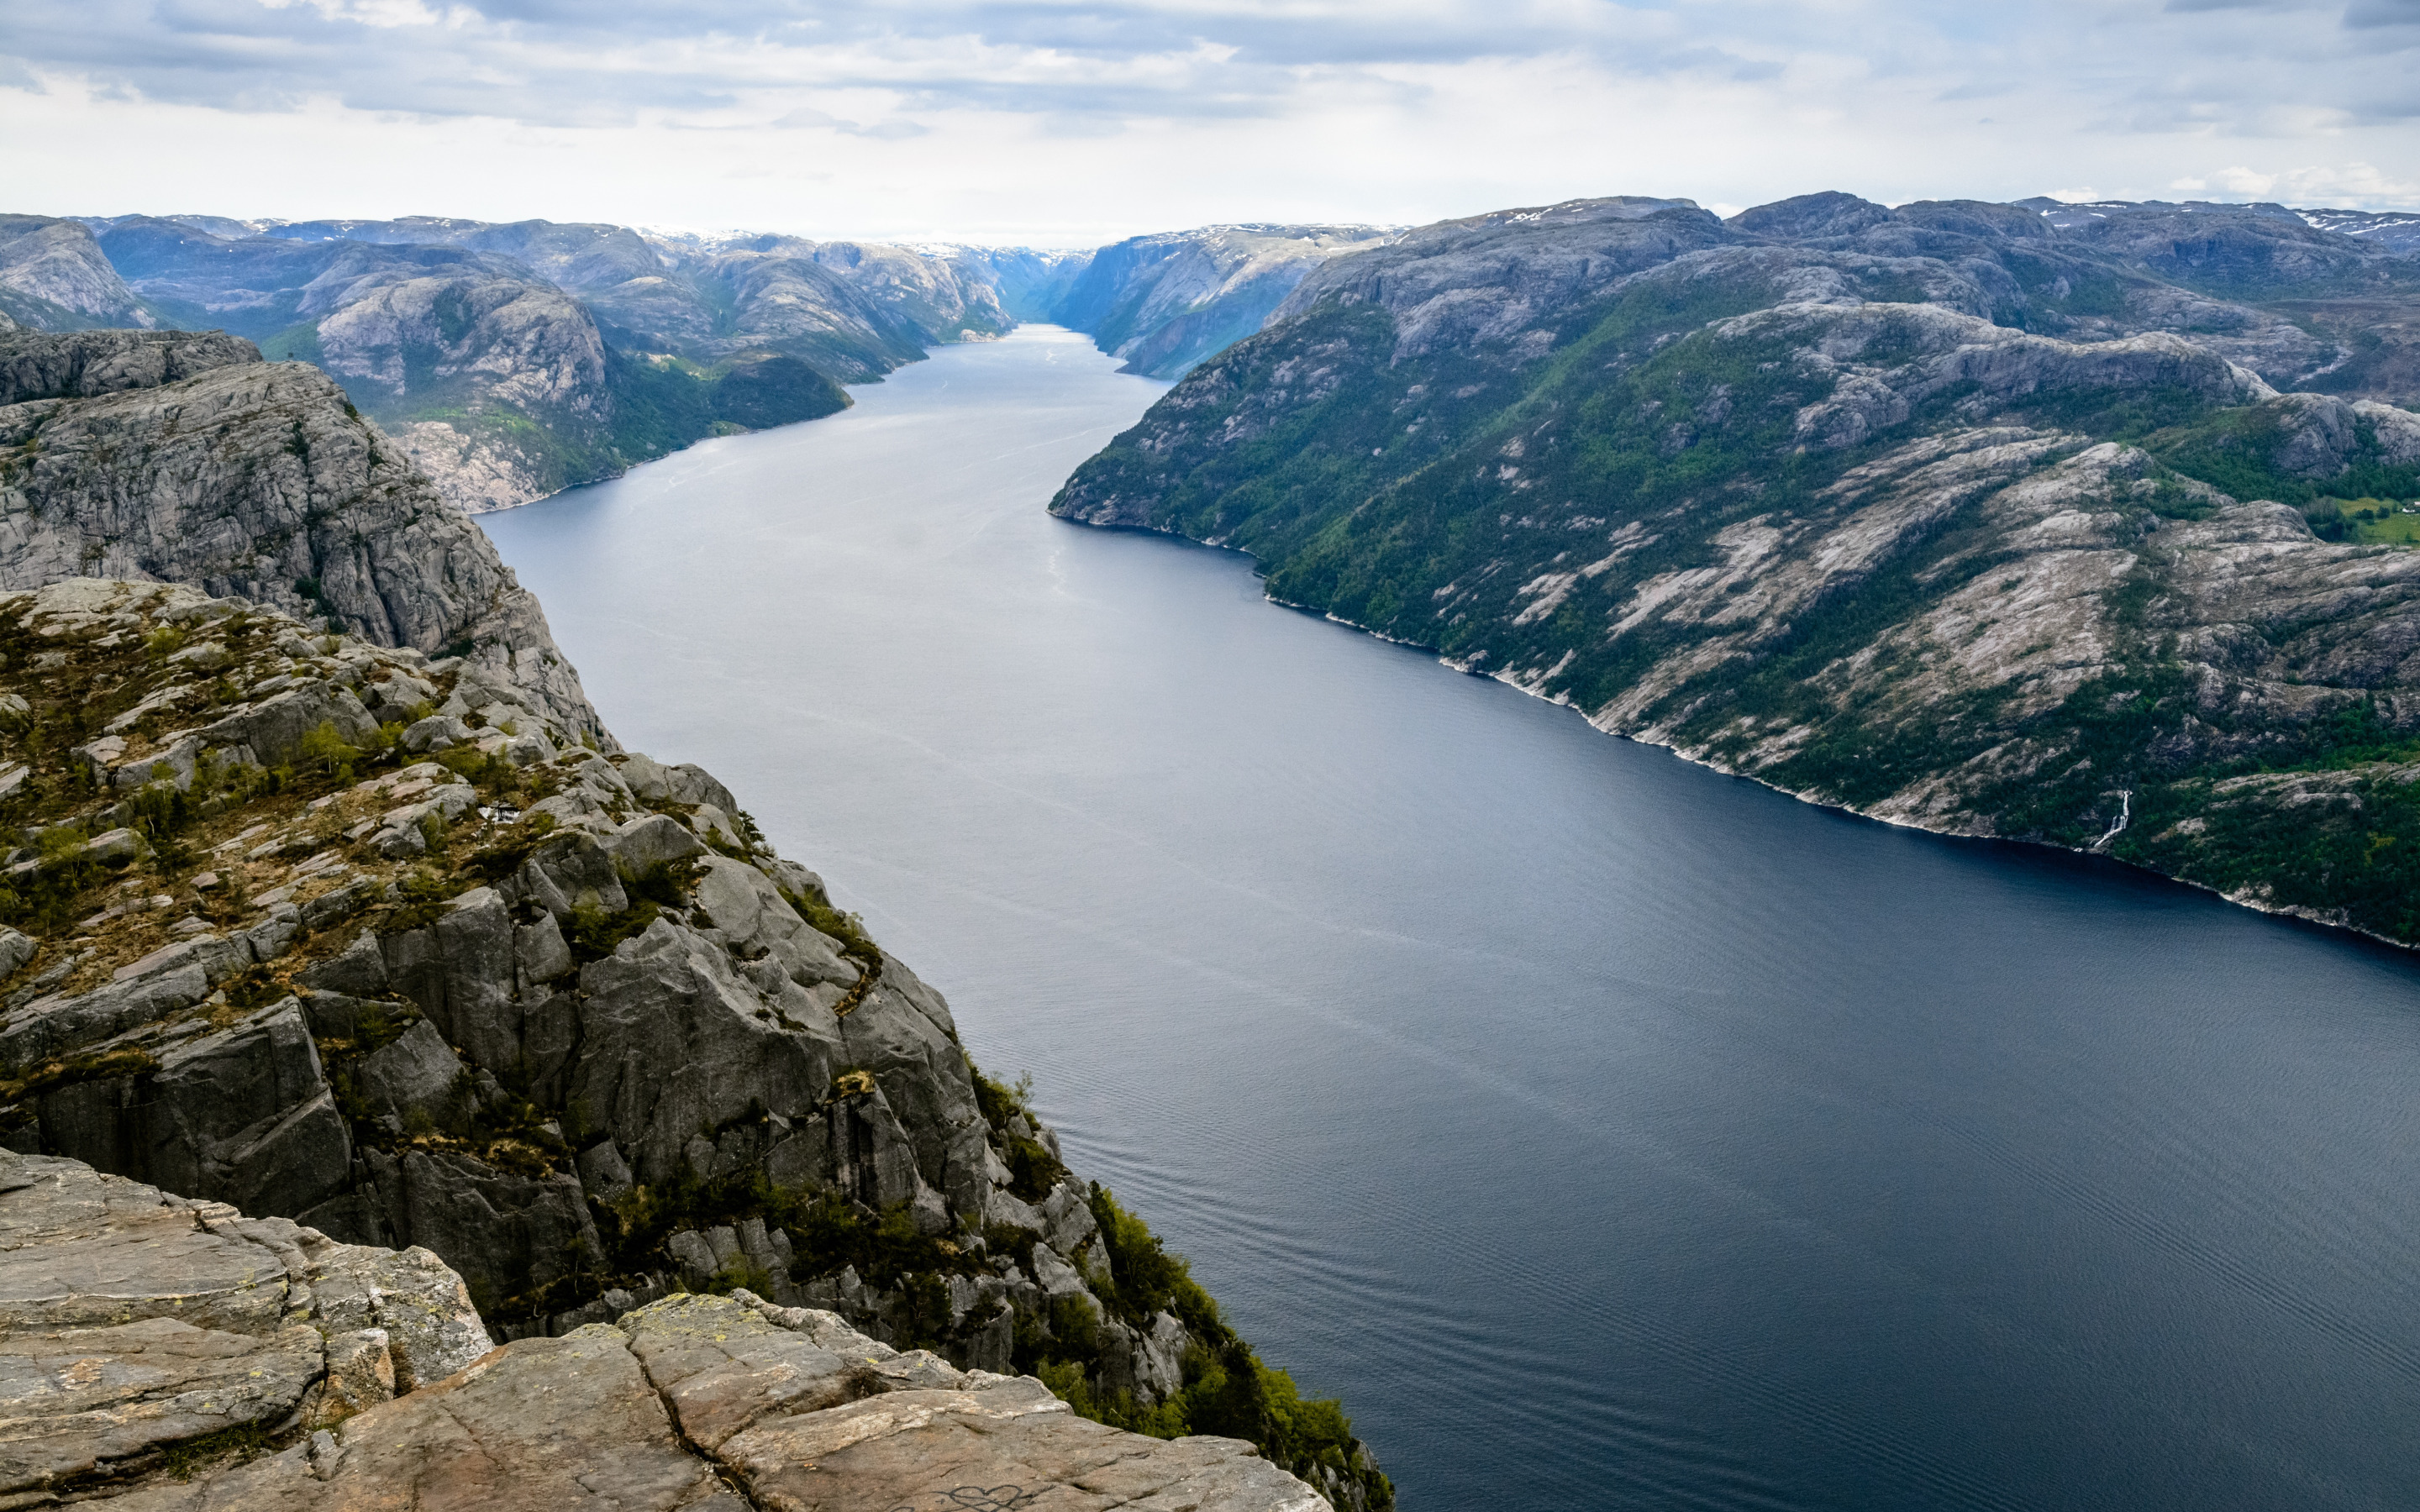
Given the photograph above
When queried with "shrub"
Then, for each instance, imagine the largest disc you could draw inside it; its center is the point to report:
(596, 929)
(327, 751)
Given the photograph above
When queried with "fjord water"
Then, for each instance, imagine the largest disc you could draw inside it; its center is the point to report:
(1608, 1133)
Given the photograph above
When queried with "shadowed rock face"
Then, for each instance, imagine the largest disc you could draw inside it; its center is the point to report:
(371, 941)
(161, 1354)
(185, 458)
(1919, 511)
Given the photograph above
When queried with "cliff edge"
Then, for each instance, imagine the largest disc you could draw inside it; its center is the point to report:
(163, 1353)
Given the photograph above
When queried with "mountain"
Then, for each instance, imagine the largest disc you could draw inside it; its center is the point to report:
(2079, 525)
(2396, 229)
(1029, 284)
(329, 899)
(513, 359)
(1165, 302)
(54, 276)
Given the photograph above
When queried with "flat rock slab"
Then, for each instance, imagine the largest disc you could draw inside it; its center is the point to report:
(74, 1400)
(815, 1418)
(1011, 1445)
(564, 1423)
(78, 1247)
(132, 1323)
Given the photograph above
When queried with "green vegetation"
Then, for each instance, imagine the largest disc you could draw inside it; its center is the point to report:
(1034, 1169)
(1227, 1390)
(2369, 521)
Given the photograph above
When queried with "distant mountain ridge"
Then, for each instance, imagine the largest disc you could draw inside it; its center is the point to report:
(512, 358)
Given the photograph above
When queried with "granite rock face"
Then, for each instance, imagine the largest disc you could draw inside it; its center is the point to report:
(2067, 523)
(373, 943)
(161, 1354)
(89, 363)
(184, 458)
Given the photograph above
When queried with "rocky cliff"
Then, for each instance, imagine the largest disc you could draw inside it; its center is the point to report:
(1917, 510)
(348, 934)
(54, 276)
(1165, 302)
(165, 1353)
(178, 457)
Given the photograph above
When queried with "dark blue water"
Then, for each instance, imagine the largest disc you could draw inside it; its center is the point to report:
(1608, 1133)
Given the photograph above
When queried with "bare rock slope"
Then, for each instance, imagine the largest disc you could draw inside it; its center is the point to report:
(54, 276)
(180, 457)
(1164, 303)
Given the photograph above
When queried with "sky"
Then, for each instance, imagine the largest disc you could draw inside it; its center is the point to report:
(1071, 124)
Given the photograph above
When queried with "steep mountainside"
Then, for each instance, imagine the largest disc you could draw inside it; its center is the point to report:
(496, 379)
(856, 309)
(166, 1354)
(55, 277)
(346, 935)
(399, 946)
(1921, 511)
(1164, 303)
(186, 458)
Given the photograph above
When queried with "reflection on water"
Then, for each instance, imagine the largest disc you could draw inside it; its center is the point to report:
(1608, 1133)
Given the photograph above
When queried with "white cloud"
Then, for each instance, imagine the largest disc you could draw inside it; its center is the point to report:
(1052, 121)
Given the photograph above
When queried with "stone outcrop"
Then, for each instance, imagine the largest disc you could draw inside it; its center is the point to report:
(134, 1322)
(1997, 519)
(160, 1353)
(372, 942)
(180, 457)
(90, 364)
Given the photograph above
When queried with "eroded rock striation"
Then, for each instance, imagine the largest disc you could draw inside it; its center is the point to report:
(158, 1353)
(183, 457)
(340, 933)
(1997, 519)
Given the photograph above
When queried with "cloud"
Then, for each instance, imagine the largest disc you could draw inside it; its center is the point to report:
(1076, 113)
